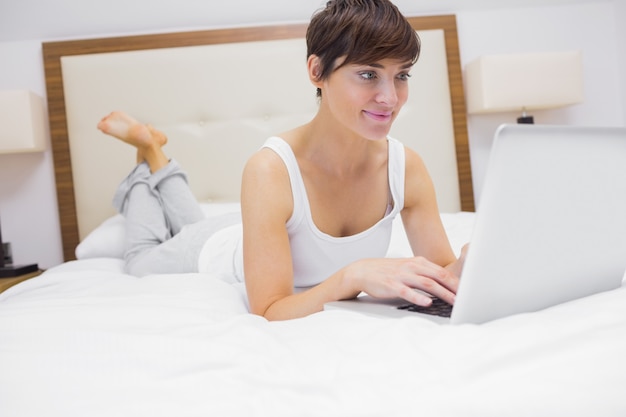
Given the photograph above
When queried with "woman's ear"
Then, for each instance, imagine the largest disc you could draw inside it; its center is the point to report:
(314, 68)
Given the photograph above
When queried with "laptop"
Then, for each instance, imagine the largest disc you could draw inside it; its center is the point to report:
(550, 226)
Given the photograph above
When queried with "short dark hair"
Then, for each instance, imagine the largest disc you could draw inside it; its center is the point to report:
(364, 31)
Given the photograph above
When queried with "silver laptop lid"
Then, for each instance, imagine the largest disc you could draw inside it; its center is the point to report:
(551, 221)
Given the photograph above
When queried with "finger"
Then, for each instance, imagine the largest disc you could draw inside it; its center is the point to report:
(427, 269)
(443, 294)
(429, 286)
(415, 297)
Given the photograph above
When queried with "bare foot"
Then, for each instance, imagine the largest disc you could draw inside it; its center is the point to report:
(127, 129)
(145, 138)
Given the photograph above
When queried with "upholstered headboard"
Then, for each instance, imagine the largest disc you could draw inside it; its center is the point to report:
(218, 94)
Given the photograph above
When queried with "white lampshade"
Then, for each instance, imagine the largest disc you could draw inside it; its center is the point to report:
(499, 83)
(22, 122)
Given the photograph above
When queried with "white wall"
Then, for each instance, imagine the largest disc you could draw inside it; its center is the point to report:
(27, 195)
(620, 15)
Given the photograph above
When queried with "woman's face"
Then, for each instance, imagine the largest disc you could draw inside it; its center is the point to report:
(366, 99)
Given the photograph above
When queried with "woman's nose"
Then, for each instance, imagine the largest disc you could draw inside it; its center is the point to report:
(387, 93)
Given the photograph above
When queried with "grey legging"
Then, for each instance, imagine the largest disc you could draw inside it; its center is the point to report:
(165, 226)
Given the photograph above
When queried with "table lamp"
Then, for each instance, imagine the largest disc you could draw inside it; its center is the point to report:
(22, 118)
(523, 82)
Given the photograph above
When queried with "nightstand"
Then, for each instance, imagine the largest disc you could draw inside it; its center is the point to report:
(9, 282)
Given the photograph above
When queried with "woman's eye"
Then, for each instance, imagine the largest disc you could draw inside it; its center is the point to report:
(368, 75)
(405, 76)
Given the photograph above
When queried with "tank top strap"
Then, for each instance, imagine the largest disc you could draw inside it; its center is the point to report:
(284, 151)
(396, 167)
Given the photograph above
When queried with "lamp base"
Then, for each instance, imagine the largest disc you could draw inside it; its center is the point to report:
(11, 271)
(526, 120)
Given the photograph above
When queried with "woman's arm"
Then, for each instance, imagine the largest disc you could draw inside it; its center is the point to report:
(422, 220)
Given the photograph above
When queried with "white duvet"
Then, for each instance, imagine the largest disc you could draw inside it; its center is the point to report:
(84, 339)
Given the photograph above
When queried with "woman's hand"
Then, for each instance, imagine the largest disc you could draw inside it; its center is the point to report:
(390, 278)
(456, 267)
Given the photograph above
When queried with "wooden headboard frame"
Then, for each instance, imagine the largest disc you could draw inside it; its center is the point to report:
(54, 51)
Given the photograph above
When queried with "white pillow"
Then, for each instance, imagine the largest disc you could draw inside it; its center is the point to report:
(107, 240)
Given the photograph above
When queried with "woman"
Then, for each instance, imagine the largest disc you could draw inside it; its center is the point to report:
(317, 201)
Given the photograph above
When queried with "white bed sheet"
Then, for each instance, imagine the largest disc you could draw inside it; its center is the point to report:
(84, 339)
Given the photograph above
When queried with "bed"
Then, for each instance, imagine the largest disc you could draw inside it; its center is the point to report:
(86, 339)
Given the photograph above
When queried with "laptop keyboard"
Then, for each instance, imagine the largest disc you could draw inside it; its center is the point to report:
(437, 308)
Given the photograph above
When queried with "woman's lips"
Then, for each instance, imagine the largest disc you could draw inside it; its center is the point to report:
(380, 116)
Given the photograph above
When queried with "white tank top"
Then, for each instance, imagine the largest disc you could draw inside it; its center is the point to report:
(317, 255)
